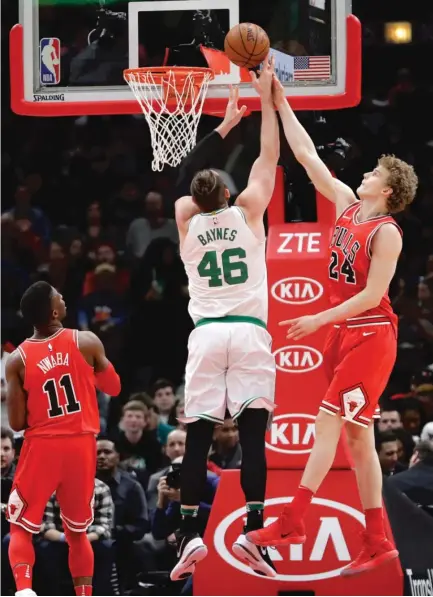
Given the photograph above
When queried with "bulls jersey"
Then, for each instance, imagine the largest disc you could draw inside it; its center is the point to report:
(60, 386)
(349, 262)
(226, 266)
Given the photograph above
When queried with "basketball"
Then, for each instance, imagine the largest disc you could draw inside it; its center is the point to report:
(246, 45)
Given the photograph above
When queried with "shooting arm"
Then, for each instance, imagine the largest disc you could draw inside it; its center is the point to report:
(16, 397)
(386, 248)
(305, 152)
(256, 197)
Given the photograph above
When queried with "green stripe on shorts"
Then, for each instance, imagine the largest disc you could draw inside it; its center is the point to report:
(231, 319)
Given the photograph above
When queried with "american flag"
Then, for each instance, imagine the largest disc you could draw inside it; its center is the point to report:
(307, 68)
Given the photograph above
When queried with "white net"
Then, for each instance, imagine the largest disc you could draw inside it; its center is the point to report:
(172, 103)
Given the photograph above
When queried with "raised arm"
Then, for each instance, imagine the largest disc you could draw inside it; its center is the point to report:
(305, 152)
(201, 156)
(256, 197)
(92, 349)
(16, 397)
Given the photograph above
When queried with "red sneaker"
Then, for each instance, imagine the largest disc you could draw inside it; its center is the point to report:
(283, 531)
(375, 552)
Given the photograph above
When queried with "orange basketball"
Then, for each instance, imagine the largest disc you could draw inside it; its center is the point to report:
(246, 45)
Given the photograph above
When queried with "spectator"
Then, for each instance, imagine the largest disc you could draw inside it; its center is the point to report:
(166, 516)
(53, 550)
(405, 445)
(412, 416)
(103, 312)
(387, 450)
(5, 352)
(144, 230)
(29, 220)
(174, 448)
(417, 481)
(389, 419)
(164, 397)
(7, 473)
(105, 254)
(136, 444)
(226, 449)
(130, 509)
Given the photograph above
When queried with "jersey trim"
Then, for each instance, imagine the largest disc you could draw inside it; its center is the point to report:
(75, 336)
(355, 219)
(49, 337)
(22, 354)
(373, 232)
(241, 212)
(231, 319)
(348, 208)
(214, 213)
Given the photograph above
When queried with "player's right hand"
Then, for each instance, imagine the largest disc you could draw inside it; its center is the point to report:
(233, 113)
(263, 84)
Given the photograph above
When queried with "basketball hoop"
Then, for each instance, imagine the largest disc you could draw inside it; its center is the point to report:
(172, 102)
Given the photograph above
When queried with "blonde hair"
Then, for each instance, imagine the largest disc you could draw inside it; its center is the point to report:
(402, 180)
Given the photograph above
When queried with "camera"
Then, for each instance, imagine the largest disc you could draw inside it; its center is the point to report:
(173, 476)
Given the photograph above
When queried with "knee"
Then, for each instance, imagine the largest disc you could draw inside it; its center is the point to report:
(327, 426)
(359, 444)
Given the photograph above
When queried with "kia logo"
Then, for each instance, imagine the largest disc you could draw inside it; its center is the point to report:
(297, 291)
(332, 531)
(297, 359)
(292, 433)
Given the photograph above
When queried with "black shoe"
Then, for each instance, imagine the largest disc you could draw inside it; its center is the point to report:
(190, 550)
(256, 557)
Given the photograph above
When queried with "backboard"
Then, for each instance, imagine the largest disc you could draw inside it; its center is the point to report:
(68, 56)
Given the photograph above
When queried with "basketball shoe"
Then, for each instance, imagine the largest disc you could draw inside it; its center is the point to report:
(284, 531)
(257, 558)
(375, 552)
(190, 551)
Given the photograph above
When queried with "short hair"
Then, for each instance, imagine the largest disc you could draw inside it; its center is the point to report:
(8, 434)
(36, 304)
(208, 190)
(424, 448)
(402, 180)
(136, 405)
(382, 437)
(160, 384)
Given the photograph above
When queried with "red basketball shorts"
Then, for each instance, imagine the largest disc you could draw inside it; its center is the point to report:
(65, 465)
(358, 361)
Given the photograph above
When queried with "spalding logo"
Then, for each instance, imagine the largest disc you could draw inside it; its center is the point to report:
(292, 433)
(297, 359)
(297, 291)
(326, 546)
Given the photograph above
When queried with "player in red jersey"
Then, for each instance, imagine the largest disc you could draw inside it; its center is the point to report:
(51, 394)
(361, 347)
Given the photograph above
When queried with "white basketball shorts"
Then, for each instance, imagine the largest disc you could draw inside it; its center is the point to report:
(230, 365)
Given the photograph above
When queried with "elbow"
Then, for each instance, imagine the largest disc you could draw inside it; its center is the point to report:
(372, 300)
(303, 156)
(17, 424)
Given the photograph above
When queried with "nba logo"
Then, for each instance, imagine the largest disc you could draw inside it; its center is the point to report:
(49, 71)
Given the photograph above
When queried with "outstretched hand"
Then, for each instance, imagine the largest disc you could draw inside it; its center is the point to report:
(233, 113)
(263, 84)
(301, 326)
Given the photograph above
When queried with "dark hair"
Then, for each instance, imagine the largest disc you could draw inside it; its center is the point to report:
(8, 434)
(208, 190)
(36, 304)
(162, 383)
(382, 437)
(424, 448)
(407, 442)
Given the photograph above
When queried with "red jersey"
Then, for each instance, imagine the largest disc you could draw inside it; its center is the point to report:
(60, 386)
(349, 262)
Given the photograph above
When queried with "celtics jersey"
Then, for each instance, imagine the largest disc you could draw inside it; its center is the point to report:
(226, 267)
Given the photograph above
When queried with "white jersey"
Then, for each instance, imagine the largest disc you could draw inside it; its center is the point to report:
(226, 267)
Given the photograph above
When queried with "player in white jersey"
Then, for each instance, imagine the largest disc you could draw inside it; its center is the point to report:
(230, 362)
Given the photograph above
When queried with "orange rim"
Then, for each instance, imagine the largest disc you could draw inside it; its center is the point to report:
(180, 72)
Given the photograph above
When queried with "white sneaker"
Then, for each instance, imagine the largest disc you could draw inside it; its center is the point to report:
(190, 551)
(256, 557)
(25, 593)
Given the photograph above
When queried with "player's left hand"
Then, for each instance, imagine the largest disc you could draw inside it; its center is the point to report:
(302, 326)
